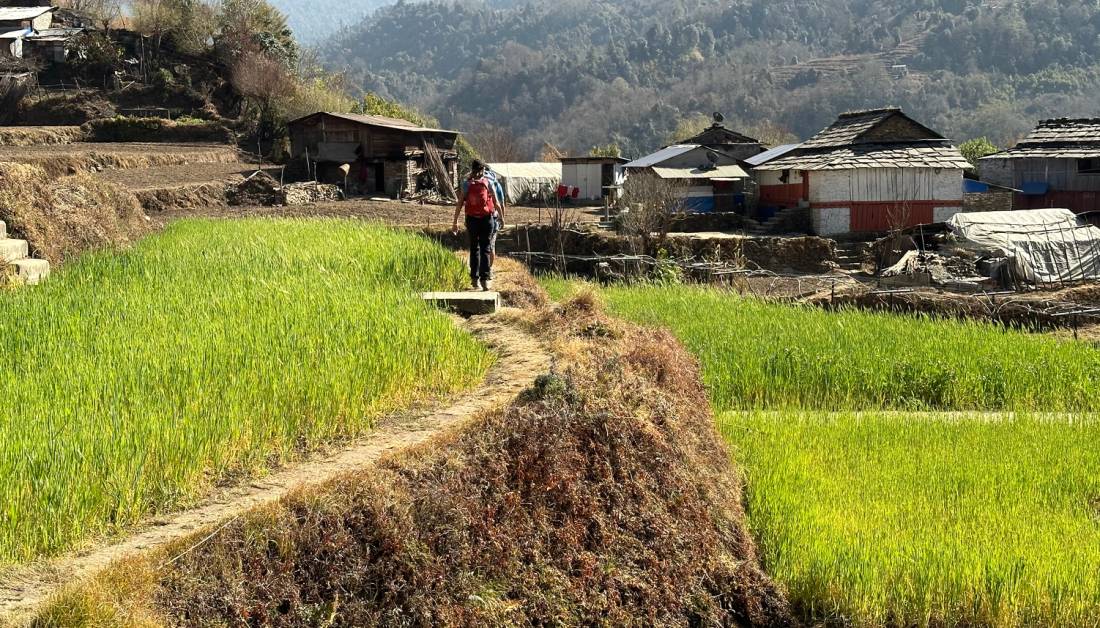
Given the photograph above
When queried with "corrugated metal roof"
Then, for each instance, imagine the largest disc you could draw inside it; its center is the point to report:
(662, 155)
(852, 157)
(55, 34)
(12, 14)
(380, 121)
(768, 155)
(731, 171)
(16, 34)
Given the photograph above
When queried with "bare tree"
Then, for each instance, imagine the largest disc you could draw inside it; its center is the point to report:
(649, 204)
(104, 12)
(771, 134)
(497, 144)
(157, 18)
(265, 83)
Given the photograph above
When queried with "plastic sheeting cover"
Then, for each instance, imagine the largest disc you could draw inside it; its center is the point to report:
(524, 181)
(1042, 245)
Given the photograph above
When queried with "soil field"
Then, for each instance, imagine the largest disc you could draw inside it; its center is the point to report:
(161, 177)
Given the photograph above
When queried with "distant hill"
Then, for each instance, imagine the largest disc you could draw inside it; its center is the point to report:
(315, 21)
(579, 73)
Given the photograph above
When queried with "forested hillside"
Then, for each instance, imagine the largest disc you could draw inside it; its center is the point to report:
(578, 73)
(314, 22)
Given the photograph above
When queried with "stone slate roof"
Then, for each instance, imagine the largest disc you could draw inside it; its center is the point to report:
(877, 138)
(1061, 138)
(718, 135)
(848, 127)
(873, 156)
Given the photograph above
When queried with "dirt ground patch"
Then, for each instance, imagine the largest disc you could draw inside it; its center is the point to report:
(394, 213)
(89, 157)
(162, 177)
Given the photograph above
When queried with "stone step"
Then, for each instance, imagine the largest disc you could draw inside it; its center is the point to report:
(469, 303)
(11, 250)
(31, 271)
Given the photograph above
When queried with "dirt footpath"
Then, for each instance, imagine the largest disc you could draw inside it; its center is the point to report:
(521, 358)
(394, 213)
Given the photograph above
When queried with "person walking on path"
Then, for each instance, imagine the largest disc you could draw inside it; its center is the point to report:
(478, 202)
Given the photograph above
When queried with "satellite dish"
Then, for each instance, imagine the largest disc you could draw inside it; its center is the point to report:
(712, 157)
(719, 118)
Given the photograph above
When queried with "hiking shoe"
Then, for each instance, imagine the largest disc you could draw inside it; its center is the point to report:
(474, 283)
(487, 284)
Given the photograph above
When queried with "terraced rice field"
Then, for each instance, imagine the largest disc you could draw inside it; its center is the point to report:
(136, 380)
(901, 470)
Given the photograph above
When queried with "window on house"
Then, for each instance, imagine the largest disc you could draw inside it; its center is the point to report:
(1090, 165)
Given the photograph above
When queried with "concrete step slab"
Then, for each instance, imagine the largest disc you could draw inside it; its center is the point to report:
(469, 303)
(11, 250)
(31, 271)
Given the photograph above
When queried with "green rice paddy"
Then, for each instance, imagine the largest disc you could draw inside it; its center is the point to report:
(135, 380)
(873, 499)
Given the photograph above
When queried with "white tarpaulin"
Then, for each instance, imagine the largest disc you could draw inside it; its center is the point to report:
(1041, 245)
(524, 181)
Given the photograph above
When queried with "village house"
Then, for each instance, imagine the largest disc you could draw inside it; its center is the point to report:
(1056, 165)
(709, 180)
(870, 171)
(727, 141)
(590, 179)
(386, 156)
(30, 32)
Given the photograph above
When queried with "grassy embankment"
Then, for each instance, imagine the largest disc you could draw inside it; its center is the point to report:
(868, 510)
(136, 380)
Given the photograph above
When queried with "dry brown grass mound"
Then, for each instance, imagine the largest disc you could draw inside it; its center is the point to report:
(603, 496)
(91, 157)
(63, 218)
(39, 135)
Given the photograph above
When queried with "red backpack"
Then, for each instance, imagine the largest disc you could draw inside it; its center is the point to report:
(479, 198)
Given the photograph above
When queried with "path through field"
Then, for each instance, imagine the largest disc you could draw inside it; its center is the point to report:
(521, 358)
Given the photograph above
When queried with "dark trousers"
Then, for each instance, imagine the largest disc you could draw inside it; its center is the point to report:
(481, 232)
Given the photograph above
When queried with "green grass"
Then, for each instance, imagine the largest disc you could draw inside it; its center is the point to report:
(911, 518)
(917, 518)
(758, 355)
(134, 380)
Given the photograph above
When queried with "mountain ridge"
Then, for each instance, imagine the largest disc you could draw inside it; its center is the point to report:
(577, 73)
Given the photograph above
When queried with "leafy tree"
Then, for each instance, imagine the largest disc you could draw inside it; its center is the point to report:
(608, 150)
(977, 148)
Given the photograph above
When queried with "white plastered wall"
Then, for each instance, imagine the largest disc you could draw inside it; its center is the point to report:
(831, 220)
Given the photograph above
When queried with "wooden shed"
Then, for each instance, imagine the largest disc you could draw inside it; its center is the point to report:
(1056, 165)
(870, 171)
(388, 156)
